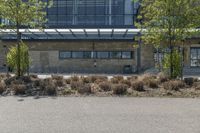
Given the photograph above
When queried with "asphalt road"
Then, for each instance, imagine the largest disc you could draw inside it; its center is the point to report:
(99, 115)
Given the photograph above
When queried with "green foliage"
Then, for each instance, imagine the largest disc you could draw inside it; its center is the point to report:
(168, 23)
(29, 13)
(12, 58)
(176, 66)
(161, 21)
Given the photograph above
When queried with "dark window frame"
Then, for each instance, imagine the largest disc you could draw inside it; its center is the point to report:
(198, 55)
(95, 56)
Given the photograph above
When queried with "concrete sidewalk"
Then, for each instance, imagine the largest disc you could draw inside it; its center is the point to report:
(99, 115)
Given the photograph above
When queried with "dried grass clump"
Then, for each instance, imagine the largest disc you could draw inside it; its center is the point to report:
(119, 89)
(2, 87)
(98, 79)
(174, 85)
(84, 89)
(19, 89)
(51, 89)
(145, 77)
(189, 81)
(132, 78)
(137, 85)
(33, 76)
(126, 82)
(162, 77)
(196, 85)
(75, 78)
(57, 77)
(152, 83)
(67, 81)
(105, 86)
(116, 79)
(86, 80)
(25, 79)
(75, 85)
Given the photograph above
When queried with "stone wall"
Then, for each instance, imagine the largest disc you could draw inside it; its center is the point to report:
(147, 57)
(45, 56)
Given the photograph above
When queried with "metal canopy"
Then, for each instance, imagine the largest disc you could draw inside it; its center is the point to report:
(94, 33)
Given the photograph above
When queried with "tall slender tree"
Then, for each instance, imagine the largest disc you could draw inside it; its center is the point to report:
(23, 13)
(168, 22)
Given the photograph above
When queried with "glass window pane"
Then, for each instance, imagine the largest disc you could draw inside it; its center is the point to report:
(194, 63)
(115, 55)
(87, 55)
(64, 55)
(193, 53)
(77, 54)
(127, 55)
(102, 55)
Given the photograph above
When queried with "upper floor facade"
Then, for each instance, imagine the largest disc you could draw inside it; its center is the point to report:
(91, 13)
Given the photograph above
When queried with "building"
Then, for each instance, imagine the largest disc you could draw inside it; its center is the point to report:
(90, 36)
(83, 36)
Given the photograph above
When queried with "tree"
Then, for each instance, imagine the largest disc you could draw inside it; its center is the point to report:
(168, 22)
(12, 58)
(23, 13)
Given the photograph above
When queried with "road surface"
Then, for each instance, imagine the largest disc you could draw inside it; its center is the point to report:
(99, 115)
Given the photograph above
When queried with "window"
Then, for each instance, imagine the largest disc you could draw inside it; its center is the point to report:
(115, 55)
(96, 54)
(77, 55)
(65, 55)
(127, 55)
(87, 55)
(195, 57)
(102, 55)
(89, 12)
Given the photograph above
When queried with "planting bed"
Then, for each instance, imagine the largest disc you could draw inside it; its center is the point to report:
(138, 86)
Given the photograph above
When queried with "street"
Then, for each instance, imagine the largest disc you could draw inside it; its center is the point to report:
(99, 115)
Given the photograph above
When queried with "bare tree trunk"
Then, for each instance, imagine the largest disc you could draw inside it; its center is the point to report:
(171, 59)
(18, 52)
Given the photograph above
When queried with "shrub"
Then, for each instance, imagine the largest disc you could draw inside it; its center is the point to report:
(45, 82)
(19, 89)
(33, 76)
(74, 78)
(59, 83)
(3, 76)
(9, 80)
(67, 91)
(26, 79)
(84, 89)
(119, 89)
(51, 89)
(13, 56)
(196, 85)
(174, 85)
(36, 83)
(57, 77)
(152, 83)
(189, 81)
(105, 86)
(86, 79)
(114, 80)
(176, 60)
(67, 81)
(98, 79)
(132, 78)
(119, 78)
(2, 88)
(126, 82)
(162, 77)
(137, 85)
(75, 85)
